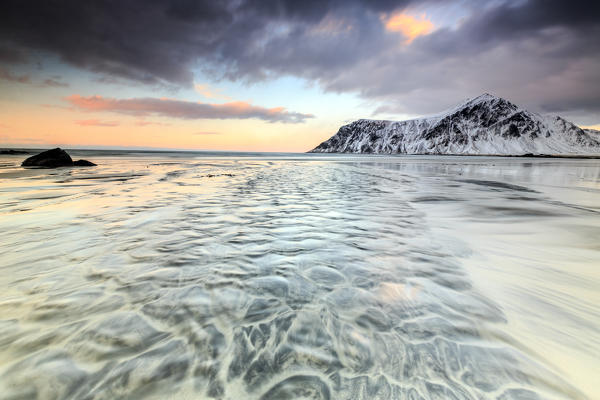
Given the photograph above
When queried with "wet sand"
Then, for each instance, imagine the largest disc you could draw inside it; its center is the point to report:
(300, 276)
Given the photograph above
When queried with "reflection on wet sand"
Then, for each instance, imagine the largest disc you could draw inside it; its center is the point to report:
(280, 278)
(390, 292)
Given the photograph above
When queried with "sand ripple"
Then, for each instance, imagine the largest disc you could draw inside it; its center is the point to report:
(251, 279)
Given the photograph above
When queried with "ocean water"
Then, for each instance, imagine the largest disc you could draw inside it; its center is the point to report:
(291, 276)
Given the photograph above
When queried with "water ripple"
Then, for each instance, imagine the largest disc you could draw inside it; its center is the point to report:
(264, 279)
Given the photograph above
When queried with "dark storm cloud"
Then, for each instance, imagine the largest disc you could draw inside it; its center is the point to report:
(11, 55)
(544, 54)
(533, 15)
(149, 41)
(134, 40)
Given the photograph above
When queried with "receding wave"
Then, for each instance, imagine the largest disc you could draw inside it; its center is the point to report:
(277, 279)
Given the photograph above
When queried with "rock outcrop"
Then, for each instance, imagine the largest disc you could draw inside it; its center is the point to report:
(53, 159)
(83, 163)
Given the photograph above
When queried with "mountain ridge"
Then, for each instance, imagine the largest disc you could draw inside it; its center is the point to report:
(483, 125)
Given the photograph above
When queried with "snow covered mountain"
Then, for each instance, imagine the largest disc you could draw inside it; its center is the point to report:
(484, 125)
(594, 133)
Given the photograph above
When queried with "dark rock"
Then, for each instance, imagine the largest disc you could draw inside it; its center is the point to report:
(83, 163)
(55, 158)
(12, 151)
(49, 159)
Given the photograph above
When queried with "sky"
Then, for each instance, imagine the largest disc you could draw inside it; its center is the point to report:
(279, 75)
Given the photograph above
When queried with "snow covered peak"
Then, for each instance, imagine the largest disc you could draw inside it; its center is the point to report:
(485, 102)
(483, 98)
(486, 97)
(485, 124)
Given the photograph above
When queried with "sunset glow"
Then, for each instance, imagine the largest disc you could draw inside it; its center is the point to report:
(410, 27)
(280, 77)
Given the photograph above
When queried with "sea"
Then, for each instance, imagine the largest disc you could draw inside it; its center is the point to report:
(220, 275)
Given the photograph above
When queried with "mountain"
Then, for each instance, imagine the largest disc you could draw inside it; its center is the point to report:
(593, 133)
(484, 125)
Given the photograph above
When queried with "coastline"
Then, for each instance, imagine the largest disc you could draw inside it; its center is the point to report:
(574, 156)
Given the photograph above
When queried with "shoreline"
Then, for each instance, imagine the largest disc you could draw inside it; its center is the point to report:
(575, 156)
(120, 152)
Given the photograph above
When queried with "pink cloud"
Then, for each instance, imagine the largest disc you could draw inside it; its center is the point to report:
(95, 122)
(185, 109)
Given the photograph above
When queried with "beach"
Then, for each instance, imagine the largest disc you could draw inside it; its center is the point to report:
(280, 275)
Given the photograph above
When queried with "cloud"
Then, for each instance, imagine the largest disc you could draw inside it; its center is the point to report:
(411, 27)
(95, 122)
(11, 54)
(52, 82)
(121, 38)
(9, 76)
(541, 54)
(331, 25)
(544, 54)
(149, 123)
(49, 82)
(206, 133)
(185, 109)
(209, 92)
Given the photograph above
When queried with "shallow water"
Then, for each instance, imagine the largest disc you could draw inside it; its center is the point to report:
(300, 276)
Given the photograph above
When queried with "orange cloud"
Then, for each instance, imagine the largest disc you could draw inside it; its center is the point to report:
(95, 122)
(410, 27)
(185, 109)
